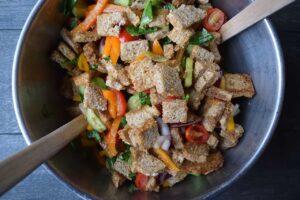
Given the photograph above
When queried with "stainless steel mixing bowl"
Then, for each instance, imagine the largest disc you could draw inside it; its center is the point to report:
(40, 108)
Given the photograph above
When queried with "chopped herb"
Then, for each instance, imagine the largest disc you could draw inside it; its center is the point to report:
(110, 163)
(132, 188)
(136, 31)
(73, 23)
(147, 16)
(126, 154)
(186, 97)
(165, 41)
(99, 82)
(201, 37)
(169, 6)
(94, 66)
(144, 98)
(132, 176)
(70, 62)
(68, 6)
(123, 122)
(94, 135)
(107, 58)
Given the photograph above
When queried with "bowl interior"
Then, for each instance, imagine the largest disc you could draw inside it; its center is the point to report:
(41, 108)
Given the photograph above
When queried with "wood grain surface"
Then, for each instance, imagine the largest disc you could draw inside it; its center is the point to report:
(275, 176)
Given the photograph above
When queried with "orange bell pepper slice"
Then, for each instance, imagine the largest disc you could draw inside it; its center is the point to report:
(157, 49)
(107, 47)
(91, 18)
(112, 102)
(112, 48)
(111, 138)
(163, 155)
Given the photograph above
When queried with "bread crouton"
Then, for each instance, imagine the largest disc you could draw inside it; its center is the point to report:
(214, 162)
(117, 179)
(174, 111)
(109, 24)
(132, 17)
(231, 137)
(228, 112)
(178, 3)
(91, 53)
(201, 54)
(66, 36)
(213, 141)
(123, 133)
(141, 73)
(213, 47)
(195, 99)
(169, 51)
(57, 57)
(93, 98)
(117, 72)
(195, 152)
(167, 81)
(185, 16)
(157, 35)
(199, 69)
(130, 50)
(218, 93)
(66, 51)
(155, 98)
(175, 179)
(239, 85)
(145, 137)
(145, 163)
(138, 4)
(84, 37)
(208, 78)
(151, 185)
(177, 157)
(123, 168)
(82, 79)
(203, 1)
(160, 19)
(217, 37)
(213, 110)
(177, 140)
(181, 36)
(137, 118)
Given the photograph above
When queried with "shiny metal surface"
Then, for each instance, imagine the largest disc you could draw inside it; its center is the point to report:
(39, 107)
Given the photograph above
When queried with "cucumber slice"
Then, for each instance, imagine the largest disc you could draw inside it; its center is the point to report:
(122, 2)
(188, 81)
(94, 120)
(134, 102)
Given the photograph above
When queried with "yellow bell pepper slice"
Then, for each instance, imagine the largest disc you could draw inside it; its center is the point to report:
(231, 124)
(83, 64)
(163, 155)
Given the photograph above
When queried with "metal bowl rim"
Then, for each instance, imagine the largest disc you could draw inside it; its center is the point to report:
(214, 190)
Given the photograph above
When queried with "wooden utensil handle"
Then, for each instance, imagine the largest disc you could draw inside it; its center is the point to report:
(16, 167)
(256, 11)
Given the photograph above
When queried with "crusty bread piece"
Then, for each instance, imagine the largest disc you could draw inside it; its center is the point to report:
(195, 152)
(93, 98)
(239, 85)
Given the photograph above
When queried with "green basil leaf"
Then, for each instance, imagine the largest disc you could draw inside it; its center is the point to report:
(99, 82)
(165, 41)
(94, 135)
(169, 6)
(136, 31)
(201, 37)
(110, 163)
(123, 122)
(68, 6)
(147, 16)
(145, 98)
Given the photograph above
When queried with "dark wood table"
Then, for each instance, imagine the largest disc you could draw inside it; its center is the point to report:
(275, 176)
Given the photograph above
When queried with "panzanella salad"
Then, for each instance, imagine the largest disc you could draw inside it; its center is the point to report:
(146, 74)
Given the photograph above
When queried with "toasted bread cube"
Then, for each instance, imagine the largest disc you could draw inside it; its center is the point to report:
(213, 47)
(93, 98)
(137, 118)
(157, 35)
(199, 69)
(196, 152)
(66, 36)
(130, 50)
(123, 168)
(141, 74)
(144, 138)
(231, 137)
(213, 141)
(201, 54)
(91, 53)
(160, 19)
(145, 163)
(195, 99)
(66, 51)
(82, 79)
(175, 179)
(169, 51)
(208, 78)
(239, 85)
(174, 111)
(218, 93)
(178, 3)
(167, 81)
(214, 162)
(124, 135)
(228, 112)
(57, 57)
(177, 156)
(213, 110)
(138, 4)
(155, 98)
(132, 17)
(109, 24)
(177, 140)
(117, 179)
(83, 37)
(181, 36)
(185, 16)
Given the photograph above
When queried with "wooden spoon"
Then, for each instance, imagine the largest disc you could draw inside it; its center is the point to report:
(16, 167)
(256, 11)
(21, 164)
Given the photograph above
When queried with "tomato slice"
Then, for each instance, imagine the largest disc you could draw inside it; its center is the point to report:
(214, 20)
(121, 103)
(141, 181)
(196, 134)
(126, 37)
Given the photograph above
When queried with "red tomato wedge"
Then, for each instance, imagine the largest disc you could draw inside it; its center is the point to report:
(126, 37)
(141, 181)
(196, 134)
(214, 20)
(121, 103)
